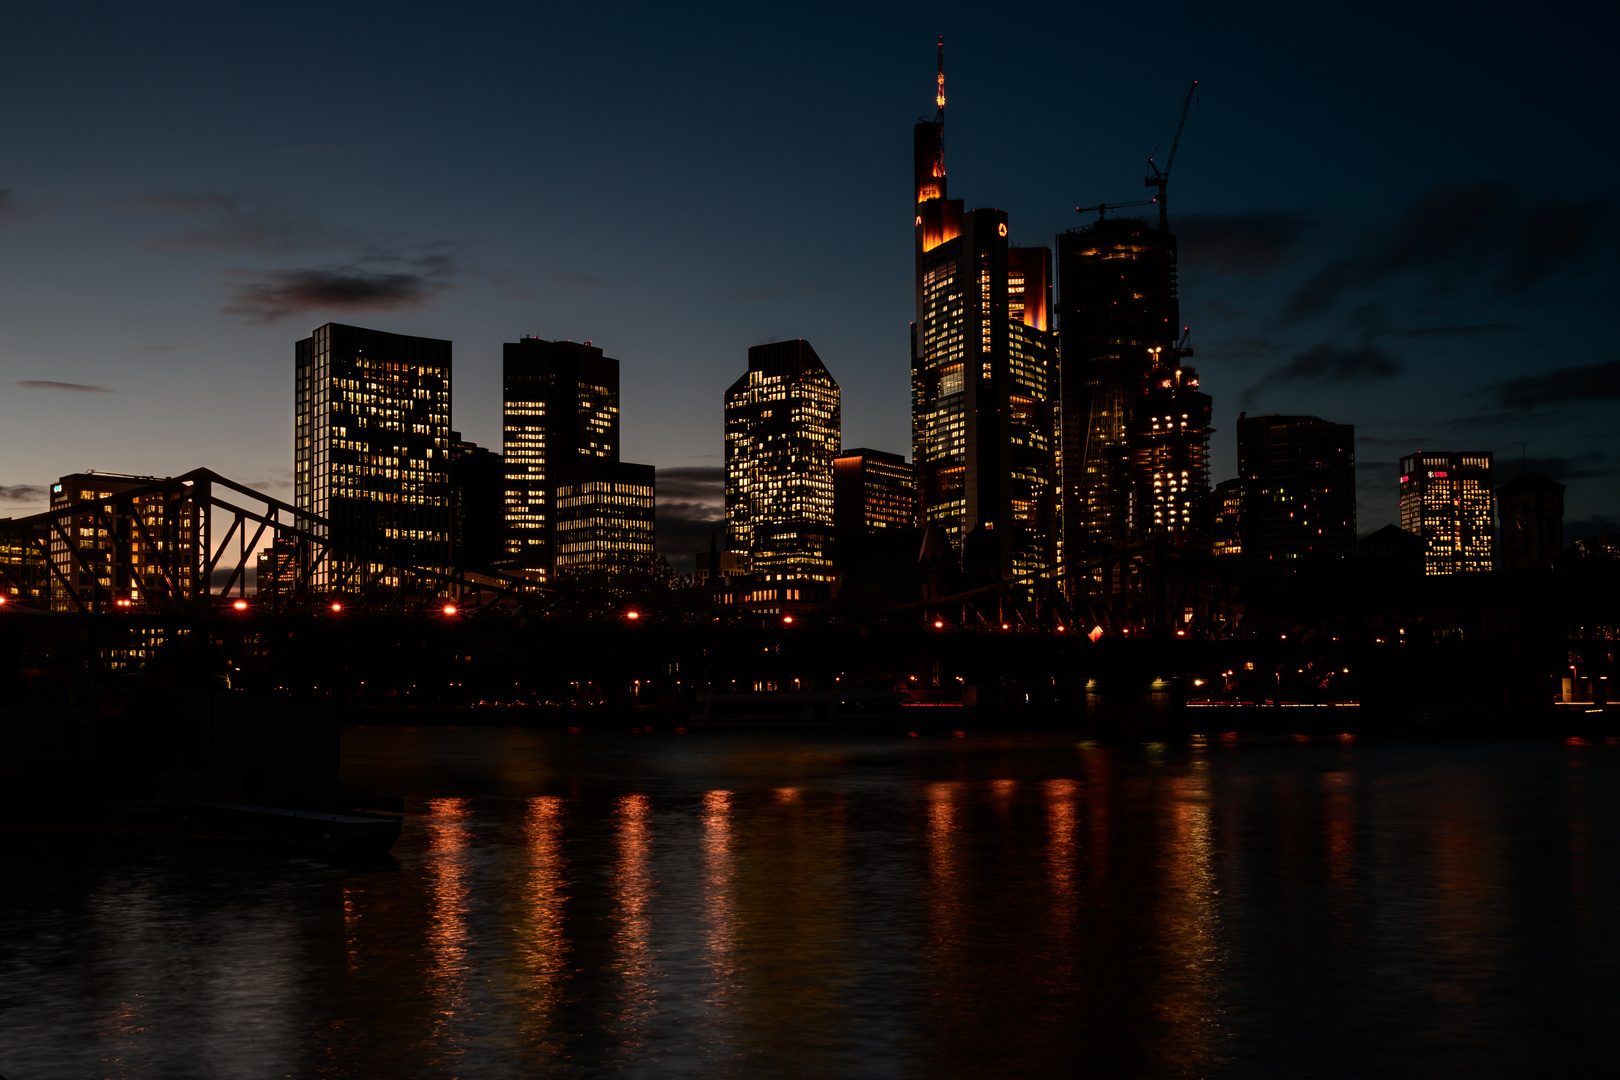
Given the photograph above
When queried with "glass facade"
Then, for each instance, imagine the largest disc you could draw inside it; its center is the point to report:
(604, 517)
(782, 436)
(372, 451)
(1446, 500)
(1298, 482)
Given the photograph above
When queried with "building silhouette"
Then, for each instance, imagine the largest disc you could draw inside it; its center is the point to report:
(872, 491)
(782, 435)
(982, 375)
(1298, 477)
(477, 504)
(1530, 508)
(1446, 499)
(561, 427)
(1119, 317)
(1169, 458)
(372, 448)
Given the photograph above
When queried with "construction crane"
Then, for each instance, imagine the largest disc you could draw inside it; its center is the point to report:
(1101, 209)
(1162, 179)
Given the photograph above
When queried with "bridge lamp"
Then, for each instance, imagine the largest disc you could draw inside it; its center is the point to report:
(449, 609)
(240, 605)
(939, 624)
(336, 606)
(632, 615)
(788, 619)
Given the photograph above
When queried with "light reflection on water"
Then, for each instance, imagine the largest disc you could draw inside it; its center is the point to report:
(566, 906)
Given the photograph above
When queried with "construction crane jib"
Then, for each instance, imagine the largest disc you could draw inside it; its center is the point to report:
(1161, 180)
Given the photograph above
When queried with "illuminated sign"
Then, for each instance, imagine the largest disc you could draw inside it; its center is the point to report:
(1001, 230)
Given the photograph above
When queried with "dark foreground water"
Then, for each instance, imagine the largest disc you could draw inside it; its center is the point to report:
(827, 907)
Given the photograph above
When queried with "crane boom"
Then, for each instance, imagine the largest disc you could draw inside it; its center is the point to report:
(1161, 180)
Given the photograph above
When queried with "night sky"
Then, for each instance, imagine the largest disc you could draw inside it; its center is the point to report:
(1396, 216)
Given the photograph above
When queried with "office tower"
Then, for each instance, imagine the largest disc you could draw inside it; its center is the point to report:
(873, 490)
(128, 551)
(1169, 458)
(477, 504)
(1118, 317)
(561, 401)
(372, 450)
(276, 567)
(1298, 475)
(1531, 510)
(1391, 553)
(782, 434)
(1227, 514)
(983, 439)
(1446, 499)
(604, 512)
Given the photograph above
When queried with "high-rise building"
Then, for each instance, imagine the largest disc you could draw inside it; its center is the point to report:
(1118, 317)
(372, 448)
(1169, 448)
(1446, 499)
(561, 404)
(604, 512)
(982, 375)
(1227, 518)
(873, 490)
(129, 551)
(477, 504)
(1298, 476)
(1531, 510)
(782, 435)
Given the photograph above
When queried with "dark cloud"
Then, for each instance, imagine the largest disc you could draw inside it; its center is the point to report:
(250, 223)
(697, 483)
(1247, 243)
(1586, 466)
(1480, 233)
(1548, 236)
(21, 493)
(269, 295)
(1593, 382)
(1472, 330)
(52, 384)
(1330, 364)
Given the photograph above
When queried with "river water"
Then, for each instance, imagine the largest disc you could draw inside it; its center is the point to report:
(742, 905)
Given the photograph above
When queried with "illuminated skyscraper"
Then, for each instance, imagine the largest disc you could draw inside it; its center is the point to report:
(561, 403)
(1169, 448)
(604, 515)
(982, 375)
(1117, 315)
(873, 491)
(124, 550)
(1227, 517)
(372, 446)
(782, 435)
(1446, 499)
(1298, 477)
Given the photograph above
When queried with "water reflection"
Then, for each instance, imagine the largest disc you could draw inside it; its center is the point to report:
(1027, 908)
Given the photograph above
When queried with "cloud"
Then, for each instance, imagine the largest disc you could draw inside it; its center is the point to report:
(696, 483)
(691, 509)
(1474, 233)
(1592, 382)
(240, 223)
(1472, 330)
(21, 493)
(52, 384)
(1588, 466)
(1247, 243)
(1330, 364)
(265, 296)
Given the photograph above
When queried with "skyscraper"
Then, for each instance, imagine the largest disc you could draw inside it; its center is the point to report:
(983, 438)
(1446, 499)
(1298, 477)
(1531, 510)
(561, 405)
(1119, 318)
(372, 446)
(1169, 449)
(477, 504)
(782, 435)
(873, 491)
(126, 551)
(604, 512)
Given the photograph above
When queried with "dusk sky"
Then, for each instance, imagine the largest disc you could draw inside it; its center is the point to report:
(1397, 216)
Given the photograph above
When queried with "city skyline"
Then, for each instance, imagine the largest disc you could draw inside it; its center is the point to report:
(1448, 305)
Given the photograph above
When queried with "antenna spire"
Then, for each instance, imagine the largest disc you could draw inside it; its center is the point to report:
(939, 92)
